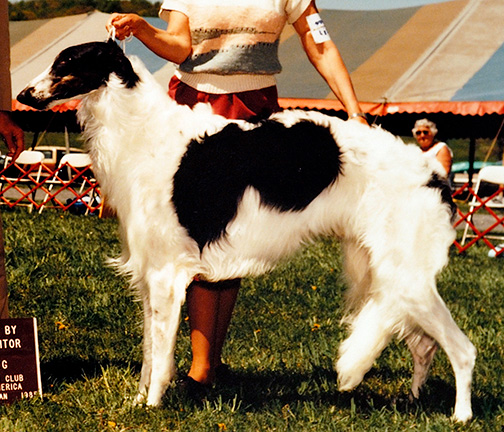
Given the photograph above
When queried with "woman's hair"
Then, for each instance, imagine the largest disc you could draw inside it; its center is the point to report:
(425, 123)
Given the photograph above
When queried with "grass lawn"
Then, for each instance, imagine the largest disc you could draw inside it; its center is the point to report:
(282, 343)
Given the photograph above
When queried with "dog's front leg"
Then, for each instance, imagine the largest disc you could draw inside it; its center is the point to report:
(167, 294)
(145, 375)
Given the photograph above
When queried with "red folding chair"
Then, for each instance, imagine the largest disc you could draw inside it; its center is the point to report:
(21, 180)
(74, 180)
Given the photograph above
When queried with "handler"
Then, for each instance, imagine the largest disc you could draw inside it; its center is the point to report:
(227, 52)
(11, 133)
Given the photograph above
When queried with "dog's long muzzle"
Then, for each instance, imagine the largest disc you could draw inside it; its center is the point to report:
(27, 97)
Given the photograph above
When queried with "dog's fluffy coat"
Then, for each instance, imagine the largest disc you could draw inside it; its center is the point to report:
(199, 195)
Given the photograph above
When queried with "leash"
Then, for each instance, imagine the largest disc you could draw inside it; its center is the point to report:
(122, 44)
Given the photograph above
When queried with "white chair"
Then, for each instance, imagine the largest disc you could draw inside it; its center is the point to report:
(69, 174)
(27, 157)
(493, 175)
(24, 172)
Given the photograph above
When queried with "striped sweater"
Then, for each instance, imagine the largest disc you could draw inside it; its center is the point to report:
(233, 38)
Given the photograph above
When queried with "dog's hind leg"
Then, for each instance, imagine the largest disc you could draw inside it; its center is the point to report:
(423, 348)
(435, 319)
(358, 274)
(167, 294)
(370, 334)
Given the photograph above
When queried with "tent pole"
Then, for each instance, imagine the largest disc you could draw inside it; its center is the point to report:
(472, 152)
(35, 139)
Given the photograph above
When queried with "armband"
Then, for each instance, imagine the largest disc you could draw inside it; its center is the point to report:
(357, 114)
(317, 28)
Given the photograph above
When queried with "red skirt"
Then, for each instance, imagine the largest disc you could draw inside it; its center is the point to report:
(243, 105)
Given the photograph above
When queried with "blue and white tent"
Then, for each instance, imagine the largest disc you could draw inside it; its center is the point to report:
(412, 56)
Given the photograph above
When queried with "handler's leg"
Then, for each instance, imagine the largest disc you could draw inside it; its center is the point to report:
(210, 312)
(227, 301)
(202, 306)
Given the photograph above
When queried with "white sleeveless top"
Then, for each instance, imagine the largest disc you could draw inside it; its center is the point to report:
(435, 149)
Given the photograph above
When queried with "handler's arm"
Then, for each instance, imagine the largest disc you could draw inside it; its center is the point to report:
(12, 134)
(326, 58)
(172, 44)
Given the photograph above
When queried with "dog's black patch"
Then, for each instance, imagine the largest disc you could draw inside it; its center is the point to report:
(288, 166)
(80, 69)
(442, 184)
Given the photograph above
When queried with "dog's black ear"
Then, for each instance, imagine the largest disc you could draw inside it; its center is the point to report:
(119, 63)
(113, 45)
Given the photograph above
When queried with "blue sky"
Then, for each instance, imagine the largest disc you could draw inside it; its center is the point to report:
(372, 4)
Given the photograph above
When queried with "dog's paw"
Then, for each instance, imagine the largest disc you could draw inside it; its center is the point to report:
(347, 383)
(348, 380)
(153, 402)
(139, 399)
(349, 376)
(462, 415)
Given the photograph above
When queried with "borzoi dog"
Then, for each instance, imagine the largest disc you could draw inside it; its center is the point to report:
(201, 196)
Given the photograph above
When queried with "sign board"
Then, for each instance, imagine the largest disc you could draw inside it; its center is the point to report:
(19, 359)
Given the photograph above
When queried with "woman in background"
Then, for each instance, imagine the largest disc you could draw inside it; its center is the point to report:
(425, 133)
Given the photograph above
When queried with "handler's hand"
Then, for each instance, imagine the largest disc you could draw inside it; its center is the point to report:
(12, 134)
(125, 24)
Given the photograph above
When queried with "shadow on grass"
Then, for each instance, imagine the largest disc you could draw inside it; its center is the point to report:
(260, 391)
(68, 370)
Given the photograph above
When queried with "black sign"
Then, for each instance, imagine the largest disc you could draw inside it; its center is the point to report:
(19, 359)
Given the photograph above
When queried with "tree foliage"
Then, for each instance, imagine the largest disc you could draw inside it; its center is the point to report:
(40, 9)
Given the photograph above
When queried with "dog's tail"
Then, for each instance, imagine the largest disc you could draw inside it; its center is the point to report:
(442, 184)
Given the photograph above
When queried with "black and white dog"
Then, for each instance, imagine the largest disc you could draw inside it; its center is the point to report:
(201, 196)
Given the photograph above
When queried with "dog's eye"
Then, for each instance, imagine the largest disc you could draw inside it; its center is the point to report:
(64, 60)
(60, 67)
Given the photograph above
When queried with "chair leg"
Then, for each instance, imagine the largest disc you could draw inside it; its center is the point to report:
(466, 228)
(472, 205)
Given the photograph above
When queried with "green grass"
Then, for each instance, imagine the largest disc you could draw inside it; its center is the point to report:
(282, 343)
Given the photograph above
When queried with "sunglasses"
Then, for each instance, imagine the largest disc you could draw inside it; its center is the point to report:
(422, 132)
